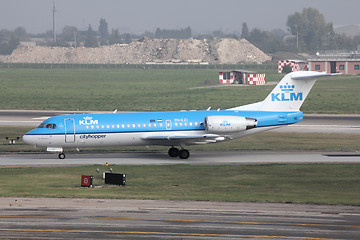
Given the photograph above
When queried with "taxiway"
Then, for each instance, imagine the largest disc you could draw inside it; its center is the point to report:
(53, 218)
(147, 219)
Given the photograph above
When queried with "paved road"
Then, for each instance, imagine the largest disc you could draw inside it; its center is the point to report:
(148, 219)
(348, 124)
(157, 158)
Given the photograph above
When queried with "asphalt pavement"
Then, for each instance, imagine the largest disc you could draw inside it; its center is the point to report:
(48, 218)
(52, 218)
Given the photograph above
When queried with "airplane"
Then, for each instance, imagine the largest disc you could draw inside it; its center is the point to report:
(177, 128)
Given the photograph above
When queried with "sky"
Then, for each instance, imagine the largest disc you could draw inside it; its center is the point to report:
(138, 16)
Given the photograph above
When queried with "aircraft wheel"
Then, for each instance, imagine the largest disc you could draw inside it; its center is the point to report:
(61, 155)
(173, 152)
(184, 154)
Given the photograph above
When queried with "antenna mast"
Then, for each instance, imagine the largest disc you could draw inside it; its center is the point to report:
(54, 10)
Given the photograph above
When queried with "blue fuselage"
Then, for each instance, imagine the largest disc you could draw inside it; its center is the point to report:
(96, 125)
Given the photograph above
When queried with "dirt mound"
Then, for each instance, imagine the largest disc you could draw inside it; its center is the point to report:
(219, 51)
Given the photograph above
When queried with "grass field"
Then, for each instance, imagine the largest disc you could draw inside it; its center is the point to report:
(298, 183)
(155, 90)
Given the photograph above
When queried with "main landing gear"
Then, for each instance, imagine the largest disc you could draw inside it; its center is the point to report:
(61, 155)
(183, 153)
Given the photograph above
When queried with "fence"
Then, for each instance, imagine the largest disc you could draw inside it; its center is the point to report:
(139, 66)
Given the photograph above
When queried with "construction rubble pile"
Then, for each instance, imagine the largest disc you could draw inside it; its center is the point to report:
(147, 51)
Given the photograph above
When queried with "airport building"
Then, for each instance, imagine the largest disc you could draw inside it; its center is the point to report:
(241, 77)
(346, 63)
(296, 65)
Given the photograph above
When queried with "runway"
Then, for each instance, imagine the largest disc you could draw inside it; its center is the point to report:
(160, 158)
(148, 219)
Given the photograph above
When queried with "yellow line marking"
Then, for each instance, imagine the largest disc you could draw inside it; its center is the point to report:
(186, 220)
(163, 233)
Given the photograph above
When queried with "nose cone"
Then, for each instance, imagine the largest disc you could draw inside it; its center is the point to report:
(28, 138)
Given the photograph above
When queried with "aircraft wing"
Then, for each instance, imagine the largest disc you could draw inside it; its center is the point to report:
(185, 139)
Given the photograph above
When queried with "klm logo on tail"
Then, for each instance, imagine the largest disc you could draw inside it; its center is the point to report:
(287, 94)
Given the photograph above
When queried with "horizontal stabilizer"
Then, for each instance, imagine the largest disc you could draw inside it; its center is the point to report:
(315, 76)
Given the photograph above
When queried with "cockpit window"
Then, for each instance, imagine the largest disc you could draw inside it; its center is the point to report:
(47, 125)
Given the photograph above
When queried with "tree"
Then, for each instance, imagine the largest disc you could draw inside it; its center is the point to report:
(20, 32)
(127, 38)
(7, 47)
(187, 33)
(245, 31)
(310, 28)
(218, 34)
(103, 32)
(114, 37)
(90, 40)
(68, 33)
(287, 69)
(172, 33)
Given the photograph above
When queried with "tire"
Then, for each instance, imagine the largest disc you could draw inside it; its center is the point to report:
(61, 156)
(173, 152)
(184, 154)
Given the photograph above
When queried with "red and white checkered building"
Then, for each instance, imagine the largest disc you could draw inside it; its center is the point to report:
(296, 65)
(241, 77)
(226, 77)
(256, 79)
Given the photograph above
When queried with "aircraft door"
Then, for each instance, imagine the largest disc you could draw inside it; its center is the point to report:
(69, 130)
(168, 125)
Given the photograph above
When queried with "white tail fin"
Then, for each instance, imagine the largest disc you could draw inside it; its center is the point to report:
(289, 94)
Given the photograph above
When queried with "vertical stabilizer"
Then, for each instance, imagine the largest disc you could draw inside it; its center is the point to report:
(289, 94)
